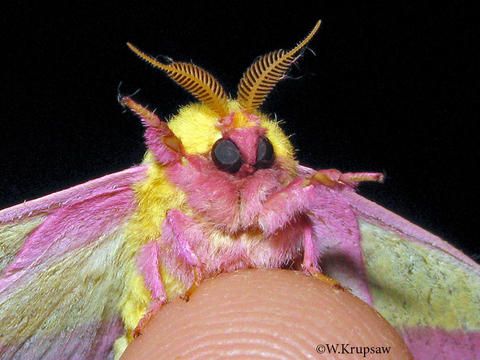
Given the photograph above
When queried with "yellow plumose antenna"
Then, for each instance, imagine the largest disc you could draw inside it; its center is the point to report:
(261, 77)
(197, 81)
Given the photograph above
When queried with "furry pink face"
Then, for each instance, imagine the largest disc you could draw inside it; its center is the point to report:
(229, 185)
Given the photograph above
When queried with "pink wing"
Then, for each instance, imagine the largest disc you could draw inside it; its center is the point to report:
(426, 288)
(59, 270)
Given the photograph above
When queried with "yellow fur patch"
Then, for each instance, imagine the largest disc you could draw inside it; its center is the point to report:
(173, 287)
(196, 126)
(281, 145)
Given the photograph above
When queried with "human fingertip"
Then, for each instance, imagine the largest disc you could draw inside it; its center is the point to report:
(277, 314)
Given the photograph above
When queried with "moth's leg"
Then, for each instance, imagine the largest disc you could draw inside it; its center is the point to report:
(334, 177)
(149, 268)
(153, 308)
(293, 200)
(181, 228)
(182, 233)
(310, 260)
(284, 205)
(358, 177)
(197, 278)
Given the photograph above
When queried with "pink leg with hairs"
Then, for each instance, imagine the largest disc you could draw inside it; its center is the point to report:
(179, 234)
(148, 266)
(282, 207)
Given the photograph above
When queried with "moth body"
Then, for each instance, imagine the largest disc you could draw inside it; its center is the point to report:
(205, 220)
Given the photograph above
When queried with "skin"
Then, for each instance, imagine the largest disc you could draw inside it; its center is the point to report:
(265, 314)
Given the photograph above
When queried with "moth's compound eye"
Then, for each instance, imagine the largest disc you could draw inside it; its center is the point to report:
(226, 156)
(265, 154)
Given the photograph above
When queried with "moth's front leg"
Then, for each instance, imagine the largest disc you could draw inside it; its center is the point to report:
(310, 258)
(286, 205)
(149, 268)
(181, 234)
(283, 206)
(293, 200)
(334, 177)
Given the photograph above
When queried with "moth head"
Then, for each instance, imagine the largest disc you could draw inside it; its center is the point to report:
(234, 134)
(225, 154)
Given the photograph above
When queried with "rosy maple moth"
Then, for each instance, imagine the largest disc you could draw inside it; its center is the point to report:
(219, 189)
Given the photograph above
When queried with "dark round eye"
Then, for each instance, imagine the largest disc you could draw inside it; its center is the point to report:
(265, 154)
(226, 156)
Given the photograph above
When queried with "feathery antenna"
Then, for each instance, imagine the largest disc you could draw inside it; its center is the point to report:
(192, 78)
(262, 76)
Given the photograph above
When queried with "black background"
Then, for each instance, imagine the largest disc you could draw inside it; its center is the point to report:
(385, 92)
